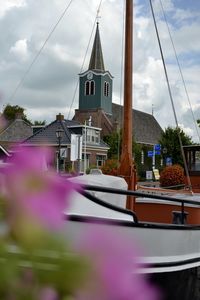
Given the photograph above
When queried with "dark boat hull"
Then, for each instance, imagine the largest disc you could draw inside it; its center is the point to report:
(179, 285)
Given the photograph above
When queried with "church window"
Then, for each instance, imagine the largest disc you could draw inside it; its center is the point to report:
(106, 88)
(92, 87)
(89, 87)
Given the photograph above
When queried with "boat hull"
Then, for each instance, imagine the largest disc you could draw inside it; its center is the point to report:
(180, 285)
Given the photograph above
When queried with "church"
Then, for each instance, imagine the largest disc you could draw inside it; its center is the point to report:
(95, 102)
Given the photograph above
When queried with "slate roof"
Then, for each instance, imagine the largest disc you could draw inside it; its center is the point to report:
(96, 59)
(146, 129)
(47, 134)
(17, 131)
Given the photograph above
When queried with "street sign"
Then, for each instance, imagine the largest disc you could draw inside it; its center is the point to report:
(168, 161)
(63, 152)
(149, 175)
(150, 154)
(157, 147)
(157, 152)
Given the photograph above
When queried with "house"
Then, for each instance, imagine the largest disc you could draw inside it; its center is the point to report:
(12, 134)
(92, 150)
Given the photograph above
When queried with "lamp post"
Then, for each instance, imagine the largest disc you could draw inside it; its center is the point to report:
(59, 135)
(164, 151)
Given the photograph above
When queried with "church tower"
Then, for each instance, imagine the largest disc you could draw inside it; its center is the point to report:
(95, 84)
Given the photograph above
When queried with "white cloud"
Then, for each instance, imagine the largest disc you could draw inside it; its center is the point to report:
(50, 85)
(20, 50)
(6, 5)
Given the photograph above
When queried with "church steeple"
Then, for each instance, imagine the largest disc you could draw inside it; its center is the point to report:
(95, 84)
(96, 59)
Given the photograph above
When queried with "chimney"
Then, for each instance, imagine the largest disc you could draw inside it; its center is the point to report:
(59, 117)
(19, 115)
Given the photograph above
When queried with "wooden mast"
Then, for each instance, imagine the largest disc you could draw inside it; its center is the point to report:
(127, 168)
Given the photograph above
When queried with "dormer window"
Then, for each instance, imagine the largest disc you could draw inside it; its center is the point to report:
(89, 87)
(106, 88)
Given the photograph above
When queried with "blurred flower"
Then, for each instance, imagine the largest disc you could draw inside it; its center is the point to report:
(33, 192)
(48, 293)
(115, 268)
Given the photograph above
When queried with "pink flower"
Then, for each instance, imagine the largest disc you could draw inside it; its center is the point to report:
(115, 268)
(31, 191)
(48, 293)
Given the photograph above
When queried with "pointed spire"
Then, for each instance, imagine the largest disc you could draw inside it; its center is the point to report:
(96, 59)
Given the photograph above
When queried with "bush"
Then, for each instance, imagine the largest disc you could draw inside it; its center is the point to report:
(110, 167)
(172, 175)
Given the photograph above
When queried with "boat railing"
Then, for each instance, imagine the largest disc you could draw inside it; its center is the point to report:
(135, 194)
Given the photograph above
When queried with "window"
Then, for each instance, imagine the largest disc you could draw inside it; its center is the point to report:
(106, 88)
(89, 88)
(100, 160)
(92, 87)
(92, 136)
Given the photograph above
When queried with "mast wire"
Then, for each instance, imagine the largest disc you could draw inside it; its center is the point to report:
(83, 63)
(170, 95)
(181, 73)
(20, 83)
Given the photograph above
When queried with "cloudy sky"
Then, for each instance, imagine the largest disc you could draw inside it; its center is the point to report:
(30, 32)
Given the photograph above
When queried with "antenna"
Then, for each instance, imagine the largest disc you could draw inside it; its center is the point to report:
(152, 109)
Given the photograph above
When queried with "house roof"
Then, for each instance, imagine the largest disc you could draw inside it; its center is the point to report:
(96, 59)
(47, 134)
(17, 131)
(146, 129)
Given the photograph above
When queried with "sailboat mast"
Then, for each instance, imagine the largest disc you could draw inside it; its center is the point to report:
(128, 62)
(127, 169)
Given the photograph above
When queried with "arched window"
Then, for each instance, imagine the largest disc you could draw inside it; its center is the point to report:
(92, 87)
(89, 88)
(106, 88)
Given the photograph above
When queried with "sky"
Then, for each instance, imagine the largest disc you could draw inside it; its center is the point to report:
(41, 57)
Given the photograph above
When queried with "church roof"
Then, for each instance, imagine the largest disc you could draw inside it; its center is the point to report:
(146, 129)
(96, 59)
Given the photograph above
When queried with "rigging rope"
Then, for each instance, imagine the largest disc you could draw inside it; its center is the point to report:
(181, 73)
(83, 63)
(170, 95)
(39, 52)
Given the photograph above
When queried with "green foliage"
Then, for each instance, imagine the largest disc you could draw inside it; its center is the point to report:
(10, 112)
(37, 123)
(170, 141)
(172, 175)
(110, 167)
(114, 142)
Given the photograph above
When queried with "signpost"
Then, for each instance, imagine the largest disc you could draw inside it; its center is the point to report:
(168, 161)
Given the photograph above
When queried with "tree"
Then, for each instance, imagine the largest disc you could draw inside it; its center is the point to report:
(10, 112)
(38, 123)
(114, 142)
(170, 141)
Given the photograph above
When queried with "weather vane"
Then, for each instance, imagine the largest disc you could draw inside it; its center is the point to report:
(98, 15)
